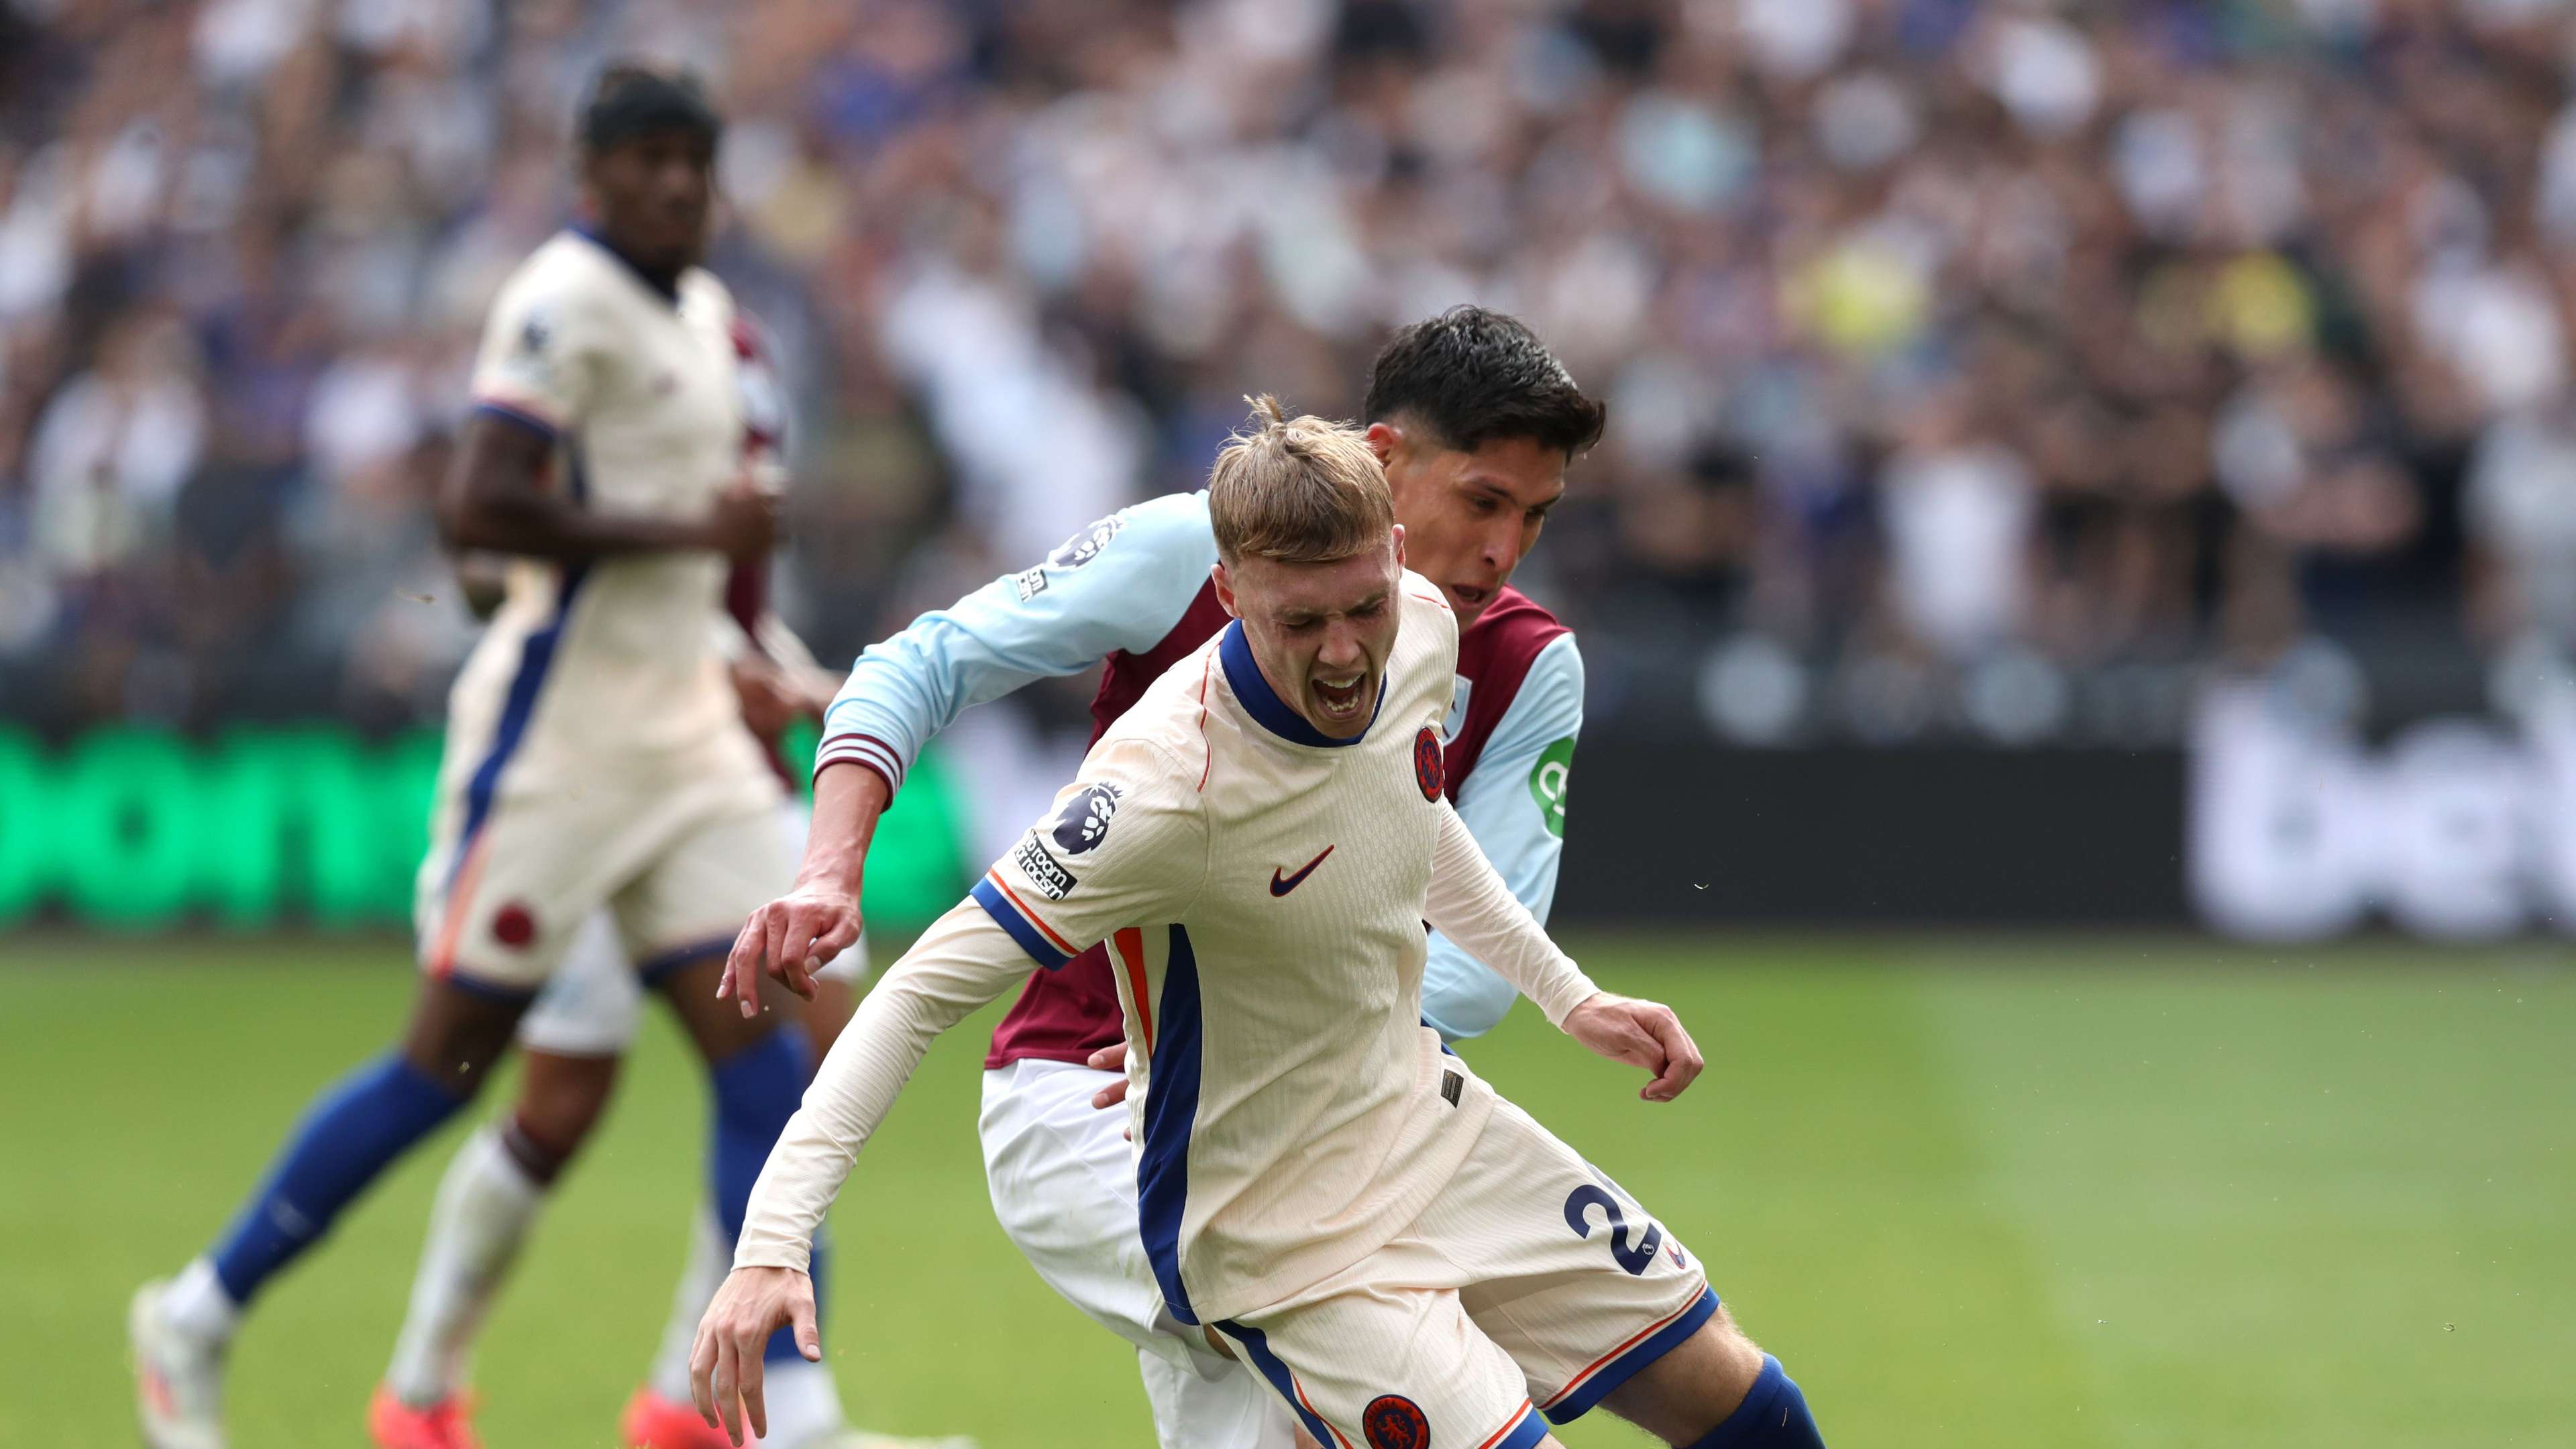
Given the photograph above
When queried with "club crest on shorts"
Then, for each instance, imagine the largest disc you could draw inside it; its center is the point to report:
(514, 925)
(1084, 821)
(1392, 1421)
(1427, 769)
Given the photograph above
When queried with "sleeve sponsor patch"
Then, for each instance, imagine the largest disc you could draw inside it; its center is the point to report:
(1083, 822)
(1030, 582)
(1085, 546)
(1051, 879)
(1547, 783)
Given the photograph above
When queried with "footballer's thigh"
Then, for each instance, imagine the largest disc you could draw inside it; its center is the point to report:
(1063, 1181)
(1384, 1354)
(1062, 1177)
(1595, 1300)
(721, 855)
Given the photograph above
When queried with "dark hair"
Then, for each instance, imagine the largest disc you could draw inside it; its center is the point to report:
(1471, 376)
(631, 99)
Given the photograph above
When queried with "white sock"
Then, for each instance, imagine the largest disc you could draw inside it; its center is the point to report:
(196, 1304)
(804, 1404)
(710, 1258)
(486, 1205)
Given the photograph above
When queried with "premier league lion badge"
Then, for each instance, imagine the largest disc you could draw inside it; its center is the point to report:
(1085, 546)
(1084, 821)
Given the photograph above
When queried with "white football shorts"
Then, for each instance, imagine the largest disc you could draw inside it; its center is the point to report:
(1531, 1287)
(594, 1004)
(1063, 1180)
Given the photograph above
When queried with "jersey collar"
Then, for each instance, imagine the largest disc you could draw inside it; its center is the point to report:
(666, 288)
(1263, 703)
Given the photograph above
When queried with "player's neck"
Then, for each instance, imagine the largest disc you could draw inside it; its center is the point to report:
(665, 281)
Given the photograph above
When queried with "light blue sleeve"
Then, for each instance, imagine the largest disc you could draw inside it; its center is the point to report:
(1514, 804)
(1121, 583)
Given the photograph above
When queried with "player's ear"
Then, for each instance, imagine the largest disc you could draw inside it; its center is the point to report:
(1224, 589)
(1383, 440)
(1399, 547)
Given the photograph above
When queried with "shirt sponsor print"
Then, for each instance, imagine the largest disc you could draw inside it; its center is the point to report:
(1547, 783)
(1050, 877)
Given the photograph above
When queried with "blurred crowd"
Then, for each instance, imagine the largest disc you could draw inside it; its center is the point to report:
(1984, 368)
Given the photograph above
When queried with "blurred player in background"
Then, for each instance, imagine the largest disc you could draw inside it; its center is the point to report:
(595, 756)
(1475, 423)
(1406, 1258)
(572, 1041)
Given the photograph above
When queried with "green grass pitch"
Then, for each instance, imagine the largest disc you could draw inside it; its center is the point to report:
(2048, 1192)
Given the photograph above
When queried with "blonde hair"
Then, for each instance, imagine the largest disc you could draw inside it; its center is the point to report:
(1299, 490)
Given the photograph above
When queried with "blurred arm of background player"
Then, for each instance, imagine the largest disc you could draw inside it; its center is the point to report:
(500, 497)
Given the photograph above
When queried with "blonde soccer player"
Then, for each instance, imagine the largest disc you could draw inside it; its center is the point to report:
(1322, 1189)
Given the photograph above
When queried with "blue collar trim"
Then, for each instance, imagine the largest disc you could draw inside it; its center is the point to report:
(666, 288)
(1263, 703)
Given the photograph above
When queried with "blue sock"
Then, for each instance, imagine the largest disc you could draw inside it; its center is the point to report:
(757, 1089)
(351, 1134)
(1773, 1416)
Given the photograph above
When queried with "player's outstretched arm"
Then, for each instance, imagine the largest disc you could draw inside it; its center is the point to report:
(963, 961)
(792, 937)
(1120, 584)
(1470, 905)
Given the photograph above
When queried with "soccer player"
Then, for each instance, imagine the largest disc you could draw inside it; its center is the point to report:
(1403, 1256)
(571, 1042)
(1476, 424)
(595, 750)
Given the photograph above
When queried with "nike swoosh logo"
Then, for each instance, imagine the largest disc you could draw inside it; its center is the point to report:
(1279, 887)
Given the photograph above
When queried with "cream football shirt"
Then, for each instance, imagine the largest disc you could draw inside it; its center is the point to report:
(1262, 890)
(607, 667)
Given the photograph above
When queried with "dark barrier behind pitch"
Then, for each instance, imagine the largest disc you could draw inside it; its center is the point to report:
(1696, 834)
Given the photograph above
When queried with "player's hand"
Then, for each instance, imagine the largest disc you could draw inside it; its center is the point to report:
(744, 524)
(791, 938)
(771, 699)
(724, 1362)
(1640, 1033)
(1111, 1058)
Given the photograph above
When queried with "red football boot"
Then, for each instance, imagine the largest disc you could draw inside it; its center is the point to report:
(654, 1422)
(447, 1424)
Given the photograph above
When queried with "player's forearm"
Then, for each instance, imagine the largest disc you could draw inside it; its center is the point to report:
(1470, 904)
(904, 689)
(536, 525)
(848, 798)
(962, 962)
(497, 499)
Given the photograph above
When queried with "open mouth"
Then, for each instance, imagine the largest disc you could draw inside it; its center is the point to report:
(1340, 701)
(1470, 596)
